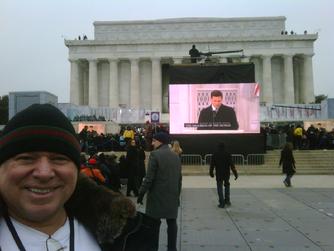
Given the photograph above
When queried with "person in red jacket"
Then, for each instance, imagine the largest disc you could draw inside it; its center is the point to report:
(92, 171)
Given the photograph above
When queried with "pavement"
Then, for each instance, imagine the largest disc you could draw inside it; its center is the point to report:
(264, 215)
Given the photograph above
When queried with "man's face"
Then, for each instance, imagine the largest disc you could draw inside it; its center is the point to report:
(216, 101)
(156, 143)
(36, 185)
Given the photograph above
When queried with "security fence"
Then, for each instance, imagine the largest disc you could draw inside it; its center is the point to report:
(191, 159)
(255, 159)
(276, 141)
(238, 159)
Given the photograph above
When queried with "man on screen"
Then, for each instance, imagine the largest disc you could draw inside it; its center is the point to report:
(217, 116)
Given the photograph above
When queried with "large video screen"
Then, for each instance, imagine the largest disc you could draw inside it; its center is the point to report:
(214, 108)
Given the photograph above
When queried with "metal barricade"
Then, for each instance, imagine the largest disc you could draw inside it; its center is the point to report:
(276, 141)
(191, 159)
(238, 159)
(207, 159)
(255, 159)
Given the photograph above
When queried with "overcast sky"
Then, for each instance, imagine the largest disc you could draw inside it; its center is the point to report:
(33, 56)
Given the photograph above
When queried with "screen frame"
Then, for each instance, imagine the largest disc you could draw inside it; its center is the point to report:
(184, 107)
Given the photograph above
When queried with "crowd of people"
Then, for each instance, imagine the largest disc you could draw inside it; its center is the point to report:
(88, 118)
(129, 167)
(91, 141)
(312, 137)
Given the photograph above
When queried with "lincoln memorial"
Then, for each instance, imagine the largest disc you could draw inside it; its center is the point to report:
(127, 62)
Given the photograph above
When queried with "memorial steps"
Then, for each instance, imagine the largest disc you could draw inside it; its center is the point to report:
(307, 162)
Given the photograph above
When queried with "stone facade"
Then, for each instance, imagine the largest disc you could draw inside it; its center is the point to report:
(126, 64)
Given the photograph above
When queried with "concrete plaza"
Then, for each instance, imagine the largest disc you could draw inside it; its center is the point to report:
(264, 215)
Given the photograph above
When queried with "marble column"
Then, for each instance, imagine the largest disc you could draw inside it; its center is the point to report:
(307, 84)
(134, 85)
(92, 84)
(289, 92)
(267, 86)
(297, 79)
(74, 83)
(113, 83)
(85, 79)
(156, 95)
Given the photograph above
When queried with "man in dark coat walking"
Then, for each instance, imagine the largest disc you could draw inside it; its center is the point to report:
(222, 162)
(163, 186)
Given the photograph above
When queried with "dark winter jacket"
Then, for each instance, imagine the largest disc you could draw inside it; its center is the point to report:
(222, 162)
(132, 161)
(288, 162)
(225, 117)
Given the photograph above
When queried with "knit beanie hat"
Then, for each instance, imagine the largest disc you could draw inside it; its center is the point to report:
(162, 137)
(40, 127)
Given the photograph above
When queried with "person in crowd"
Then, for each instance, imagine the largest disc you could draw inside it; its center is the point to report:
(83, 160)
(148, 134)
(104, 168)
(288, 163)
(312, 133)
(217, 116)
(177, 148)
(83, 136)
(128, 135)
(222, 162)
(122, 142)
(194, 54)
(132, 162)
(45, 204)
(290, 134)
(162, 184)
(298, 136)
(92, 171)
(141, 164)
(331, 139)
(322, 138)
(115, 179)
(123, 169)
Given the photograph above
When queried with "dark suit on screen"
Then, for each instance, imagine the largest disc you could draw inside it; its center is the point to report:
(223, 119)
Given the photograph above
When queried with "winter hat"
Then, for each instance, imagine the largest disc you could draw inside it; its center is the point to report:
(40, 127)
(92, 161)
(162, 137)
